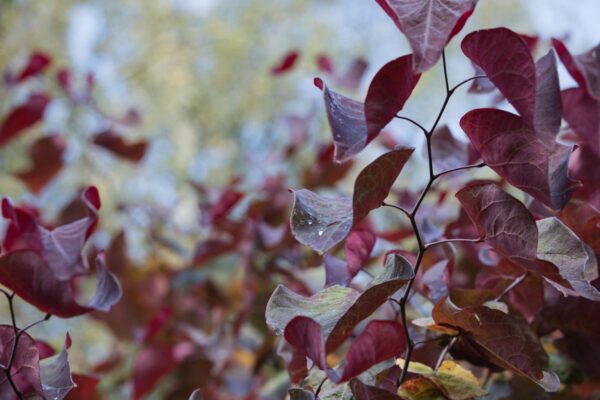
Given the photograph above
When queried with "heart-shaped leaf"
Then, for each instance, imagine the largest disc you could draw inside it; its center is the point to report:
(322, 222)
(428, 25)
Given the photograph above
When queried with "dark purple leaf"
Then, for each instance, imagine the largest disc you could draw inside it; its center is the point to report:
(584, 68)
(512, 149)
(357, 248)
(505, 58)
(322, 222)
(362, 391)
(379, 341)
(447, 151)
(548, 105)
(26, 364)
(582, 113)
(505, 339)
(428, 25)
(30, 278)
(338, 309)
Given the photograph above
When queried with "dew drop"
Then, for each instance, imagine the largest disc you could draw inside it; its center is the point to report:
(320, 233)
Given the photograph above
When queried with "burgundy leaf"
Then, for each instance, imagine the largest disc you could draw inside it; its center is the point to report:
(389, 90)
(46, 162)
(347, 122)
(584, 68)
(337, 309)
(428, 25)
(85, 387)
(357, 248)
(555, 252)
(29, 276)
(23, 117)
(150, 365)
(61, 247)
(362, 391)
(505, 58)
(36, 64)
(322, 222)
(505, 339)
(582, 113)
(379, 341)
(515, 152)
(133, 152)
(447, 151)
(286, 64)
(548, 105)
(502, 221)
(26, 364)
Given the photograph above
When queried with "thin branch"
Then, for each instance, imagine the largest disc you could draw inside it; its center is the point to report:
(512, 285)
(480, 165)
(7, 370)
(445, 351)
(384, 204)
(445, 71)
(468, 80)
(319, 388)
(456, 240)
(413, 122)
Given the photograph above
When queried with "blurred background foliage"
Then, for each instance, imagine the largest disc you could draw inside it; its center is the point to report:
(197, 72)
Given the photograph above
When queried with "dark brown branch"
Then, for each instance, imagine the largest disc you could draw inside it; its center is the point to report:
(413, 122)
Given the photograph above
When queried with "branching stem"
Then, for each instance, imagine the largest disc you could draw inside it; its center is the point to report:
(412, 215)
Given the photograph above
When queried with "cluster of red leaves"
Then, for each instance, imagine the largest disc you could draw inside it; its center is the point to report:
(502, 285)
(519, 261)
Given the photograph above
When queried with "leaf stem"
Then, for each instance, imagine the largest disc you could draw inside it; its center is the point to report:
(444, 352)
(457, 240)
(512, 285)
(413, 122)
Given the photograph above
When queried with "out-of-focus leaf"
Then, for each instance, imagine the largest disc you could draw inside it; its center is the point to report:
(23, 117)
(115, 143)
(28, 276)
(36, 64)
(46, 162)
(362, 391)
(286, 64)
(150, 365)
(428, 25)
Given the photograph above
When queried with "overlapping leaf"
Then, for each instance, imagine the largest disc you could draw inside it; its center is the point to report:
(322, 222)
(30, 278)
(512, 149)
(46, 162)
(354, 124)
(549, 248)
(379, 341)
(505, 339)
(338, 309)
(428, 25)
(61, 248)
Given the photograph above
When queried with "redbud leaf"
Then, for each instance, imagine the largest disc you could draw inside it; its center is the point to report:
(428, 25)
(322, 222)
